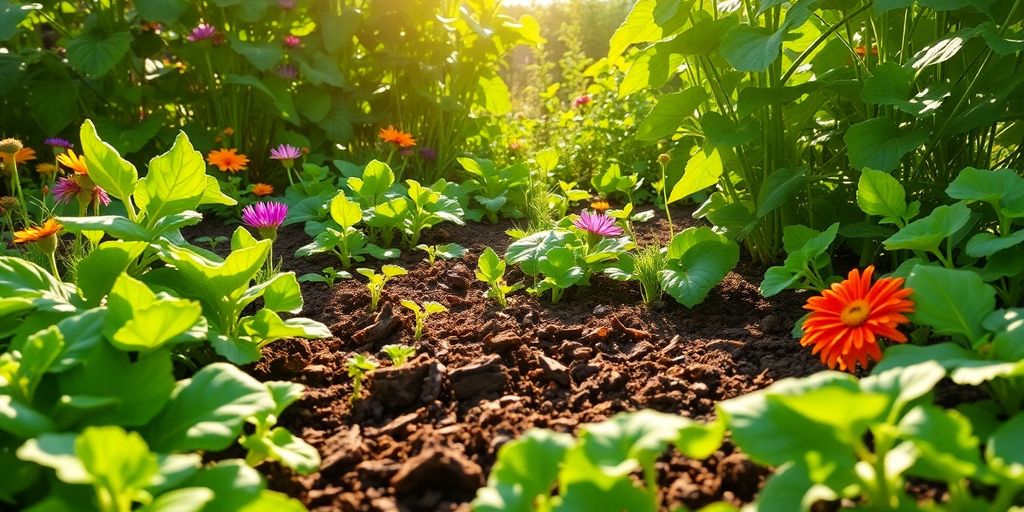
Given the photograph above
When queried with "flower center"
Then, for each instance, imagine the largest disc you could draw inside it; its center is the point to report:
(855, 313)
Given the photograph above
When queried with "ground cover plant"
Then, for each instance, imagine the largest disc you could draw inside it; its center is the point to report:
(464, 255)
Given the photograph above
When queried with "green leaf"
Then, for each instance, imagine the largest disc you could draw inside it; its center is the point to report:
(528, 251)
(778, 187)
(161, 11)
(880, 194)
(114, 225)
(559, 267)
(927, 234)
(189, 499)
(11, 15)
(986, 244)
(776, 279)
(96, 54)
(703, 170)
(490, 268)
(879, 144)
(722, 132)
(56, 451)
(280, 445)
(992, 187)
(234, 485)
(648, 20)
(38, 352)
(670, 112)
(623, 444)
(904, 384)
(176, 181)
(495, 94)
(283, 293)
(526, 468)
(892, 84)
(262, 56)
(118, 461)
(22, 278)
(213, 195)
(1005, 452)
(951, 301)
(106, 167)
(53, 103)
(688, 278)
(942, 437)
(207, 411)
(22, 421)
(275, 90)
(150, 328)
(98, 271)
(748, 48)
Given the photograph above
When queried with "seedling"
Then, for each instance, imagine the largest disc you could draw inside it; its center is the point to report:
(399, 354)
(428, 308)
(491, 270)
(212, 242)
(328, 275)
(443, 251)
(649, 263)
(358, 367)
(377, 281)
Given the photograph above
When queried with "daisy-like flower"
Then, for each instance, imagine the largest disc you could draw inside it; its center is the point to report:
(80, 188)
(285, 152)
(600, 205)
(10, 146)
(7, 205)
(287, 71)
(24, 155)
(262, 189)
(292, 41)
(38, 233)
(597, 224)
(397, 137)
(265, 217)
(581, 100)
(46, 168)
(74, 162)
(202, 32)
(847, 320)
(228, 160)
(58, 144)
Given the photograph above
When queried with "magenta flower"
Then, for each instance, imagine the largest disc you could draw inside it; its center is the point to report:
(292, 41)
(99, 195)
(68, 189)
(285, 152)
(581, 100)
(65, 190)
(265, 216)
(597, 223)
(202, 32)
(287, 71)
(58, 143)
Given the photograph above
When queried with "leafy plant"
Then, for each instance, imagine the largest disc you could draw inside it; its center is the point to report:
(421, 313)
(443, 251)
(342, 238)
(398, 354)
(491, 270)
(212, 242)
(426, 209)
(499, 191)
(807, 261)
(375, 282)
(327, 276)
(358, 366)
(645, 267)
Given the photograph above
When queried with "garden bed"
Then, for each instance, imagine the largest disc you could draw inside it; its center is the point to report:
(424, 436)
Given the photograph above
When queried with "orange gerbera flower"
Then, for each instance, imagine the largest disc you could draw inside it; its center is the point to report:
(847, 320)
(228, 160)
(74, 162)
(49, 228)
(397, 137)
(24, 155)
(262, 189)
(600, 205)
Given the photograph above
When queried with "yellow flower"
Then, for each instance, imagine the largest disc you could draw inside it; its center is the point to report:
(46, 168)
(74, 162)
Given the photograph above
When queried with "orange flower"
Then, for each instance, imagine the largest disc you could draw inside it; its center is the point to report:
(228, 160)
(73, 162)
(229, 131)
(262, 189)
(847, 320)
(49, 228)
(861, 50)
(600, 205)
(397, 137)
(24, 155)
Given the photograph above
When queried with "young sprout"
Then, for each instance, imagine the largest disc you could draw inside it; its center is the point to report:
(213, 242)
(429, 308)
(491, 270)
(358, 366)
(399, 354)
(444, 251)
(375, 282)
(649, 263)
(328, 275)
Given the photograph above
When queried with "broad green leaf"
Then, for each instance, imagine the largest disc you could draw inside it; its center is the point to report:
(776, 279)
(903, 385)
(780, 185)
(622, 444)
(748, 48)
(234, 485)
(721, 132)
(495, 95)
(39, 351)
(176, 181)
(547, 159)
(926, 234)
(11, 15)
(114, 225)
(161, 11)
(670, 112)
(703, 170)
(648, 20)
(879, 144)
(213, 195)
(266, 326)
(189, 499)
(95, 54)
(207, 411)
(152, 327)
(880, 194)
(282, 294)
(951, 301)
(690, 278)
(56, 451)
(528, 251)
(992, 187)
(559, 267)
(280, 445)
(490, 268)
(22, 421)
(943, 439)
(117, 460)
(22, 278)
(106, 167)
(262, 56)
(526, 468)
(986, 244)
(1004, 450)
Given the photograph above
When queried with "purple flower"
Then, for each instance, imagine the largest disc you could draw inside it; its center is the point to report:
(285, 152)
(265, 216)
(428, 154)
(287, 71)
(68, 189)
(582, 100)
(99, 195)
(201, 32)
(286, 4)
(598, 224)
(57, 142)
(292, 41)
(65, 190)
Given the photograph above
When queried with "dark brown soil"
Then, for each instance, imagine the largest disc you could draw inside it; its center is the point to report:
(424, 436)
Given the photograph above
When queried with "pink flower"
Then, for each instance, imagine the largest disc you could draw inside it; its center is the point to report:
(287, 71)
(68, 189)
(285, 152)
(598, 224)
(265, 216)
(65, 190)
(292, 41)
(286, 4)
(581, 101)
(202, 32)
